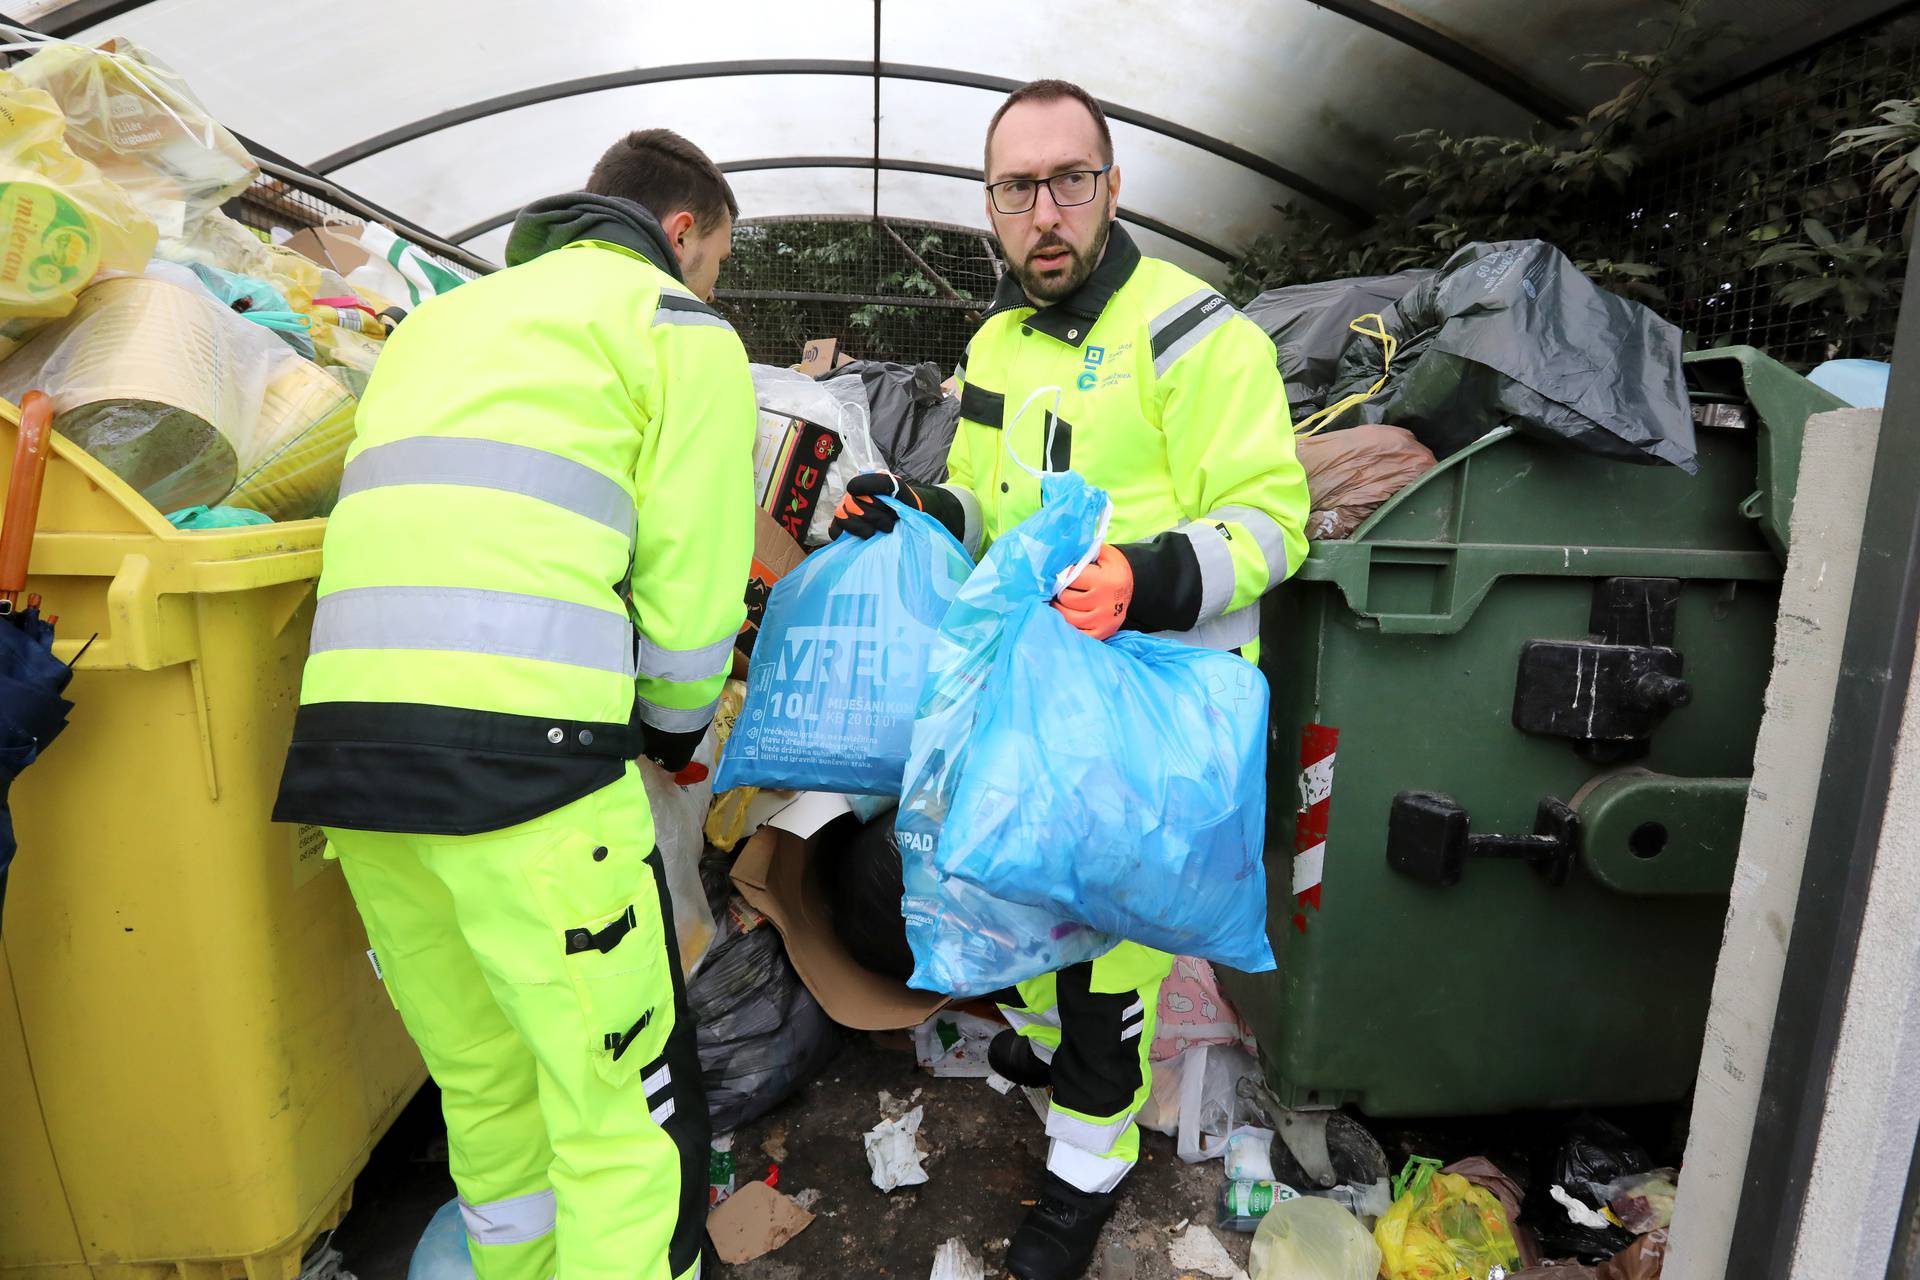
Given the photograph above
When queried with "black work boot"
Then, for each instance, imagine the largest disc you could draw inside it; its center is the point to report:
(1013, 1057)
(1057, 1240)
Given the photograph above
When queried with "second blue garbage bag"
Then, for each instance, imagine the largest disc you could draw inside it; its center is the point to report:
(839, 664)
(1120, 786)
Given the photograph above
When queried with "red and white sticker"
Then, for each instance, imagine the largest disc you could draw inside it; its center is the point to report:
(1317, 754)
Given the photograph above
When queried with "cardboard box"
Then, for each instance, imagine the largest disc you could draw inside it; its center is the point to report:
(822, 355)
(797, 474)
(329, 249)
(775, 554)
(778, 877)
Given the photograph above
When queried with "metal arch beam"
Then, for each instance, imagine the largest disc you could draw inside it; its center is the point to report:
(469, 112)
(1155, 225)
(1436, 42)
(73, 18)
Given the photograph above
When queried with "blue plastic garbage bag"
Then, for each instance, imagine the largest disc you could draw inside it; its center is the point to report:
(842, 655)
(442, 1251)
(1121, 785)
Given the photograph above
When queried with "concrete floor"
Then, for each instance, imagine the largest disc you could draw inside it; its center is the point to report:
(985, 1157)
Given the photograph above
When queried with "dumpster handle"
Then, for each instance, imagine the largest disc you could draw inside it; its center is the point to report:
(23, 495)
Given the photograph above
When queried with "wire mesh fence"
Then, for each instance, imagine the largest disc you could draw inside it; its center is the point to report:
(888, 290)
(1750, 170)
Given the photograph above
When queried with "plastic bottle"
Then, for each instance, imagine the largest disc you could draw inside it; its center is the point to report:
(1243, 1204)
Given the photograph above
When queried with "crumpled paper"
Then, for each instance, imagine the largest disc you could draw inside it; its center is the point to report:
(894, 1155)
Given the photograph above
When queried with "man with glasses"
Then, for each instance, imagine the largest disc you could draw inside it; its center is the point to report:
(1172, 402)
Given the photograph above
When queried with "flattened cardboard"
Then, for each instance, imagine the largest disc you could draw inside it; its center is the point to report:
(777, 875)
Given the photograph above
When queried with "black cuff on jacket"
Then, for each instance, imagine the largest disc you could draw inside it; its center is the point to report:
(1166, 584)
(944, 507)
(671, 751)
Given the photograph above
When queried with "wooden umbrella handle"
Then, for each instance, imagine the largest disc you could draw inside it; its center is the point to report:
(23, 494)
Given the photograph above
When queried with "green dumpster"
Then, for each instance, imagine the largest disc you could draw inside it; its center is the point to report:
(1512, 730)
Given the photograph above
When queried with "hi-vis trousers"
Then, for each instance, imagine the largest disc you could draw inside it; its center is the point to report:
(1094, 1023)
(537, 970)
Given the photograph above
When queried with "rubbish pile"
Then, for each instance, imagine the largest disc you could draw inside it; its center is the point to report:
(212, 367)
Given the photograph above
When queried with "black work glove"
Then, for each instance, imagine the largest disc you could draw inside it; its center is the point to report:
(862, 514)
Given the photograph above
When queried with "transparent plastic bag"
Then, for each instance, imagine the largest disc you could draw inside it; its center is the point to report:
(837, 404)
(66, 221)
(188, 402)
(1308, 1238)
(134, 117)
(679, 812)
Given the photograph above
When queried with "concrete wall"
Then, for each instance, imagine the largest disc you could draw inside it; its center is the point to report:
(1873, 1100)
(1814, 606)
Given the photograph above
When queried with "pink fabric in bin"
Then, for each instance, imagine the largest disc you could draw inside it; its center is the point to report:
(1192, 1011)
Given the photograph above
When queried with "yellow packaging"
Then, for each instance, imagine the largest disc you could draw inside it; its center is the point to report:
(60, 220)
(1448, 1229)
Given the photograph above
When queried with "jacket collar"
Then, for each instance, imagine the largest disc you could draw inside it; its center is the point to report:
(558, 221)
(1071, 319)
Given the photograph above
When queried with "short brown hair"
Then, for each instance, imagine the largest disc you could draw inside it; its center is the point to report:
(1052, 91)
(663, 171)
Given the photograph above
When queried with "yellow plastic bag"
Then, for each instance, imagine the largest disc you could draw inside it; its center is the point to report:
(1445, 1228)
(60, 220)
(290, 466)
(134, 117)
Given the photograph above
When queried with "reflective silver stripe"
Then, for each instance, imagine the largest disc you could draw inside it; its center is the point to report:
(1085, 1134)
(1174, 312)
(1216, 568)
(469, 620)
(971, 527)
(1229, 631)
(657, 1081)
(1138, 1006)
(674, 719)
(513, 1221)
(684, 308)
(684, 666)
(1191, 339)
(1267, 535)
(1094, 1174)
(1133, 1031)
(663, 1113)
(493, 464)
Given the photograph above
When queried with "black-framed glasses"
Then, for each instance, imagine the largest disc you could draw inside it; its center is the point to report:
(1019, 195)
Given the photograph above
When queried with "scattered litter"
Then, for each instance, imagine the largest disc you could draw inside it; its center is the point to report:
(773, 1175)
(1200, 1250)
(952, 1044)
(1579, 1213)
(754, 1222)
(719, 1170)
(775, 1143)
(1179, 1226)
(892, 1152)
(1250, 1154)
(998, 1083)
(808, 1199)
(954, 1261)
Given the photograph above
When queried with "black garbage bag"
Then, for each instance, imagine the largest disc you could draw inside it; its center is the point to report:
(911, 421)
(1309, 327)
(1513, 333)
(1594, 1154)
(761, 1033)
(864, 888)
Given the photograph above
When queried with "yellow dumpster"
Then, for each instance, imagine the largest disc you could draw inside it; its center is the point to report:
(195, 1053)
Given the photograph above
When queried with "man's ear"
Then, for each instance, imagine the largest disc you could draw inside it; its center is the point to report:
(1113, 193)
(678, 227)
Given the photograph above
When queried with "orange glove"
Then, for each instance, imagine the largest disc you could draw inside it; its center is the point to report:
(1096, 601)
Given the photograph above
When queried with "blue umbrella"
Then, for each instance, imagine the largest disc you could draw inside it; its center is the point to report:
(32, 710)
(32, 680)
